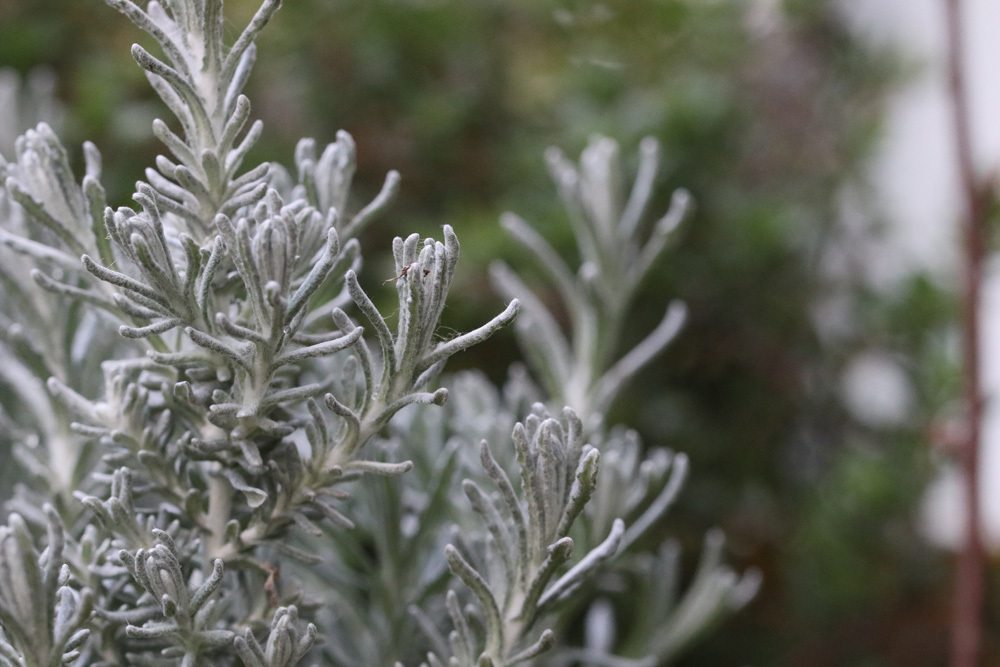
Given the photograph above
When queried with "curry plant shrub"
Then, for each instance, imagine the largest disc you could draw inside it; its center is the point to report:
(230, 455)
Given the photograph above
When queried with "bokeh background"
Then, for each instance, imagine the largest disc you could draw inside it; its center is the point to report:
(818, 374)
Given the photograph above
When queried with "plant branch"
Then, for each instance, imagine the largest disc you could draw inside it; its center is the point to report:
(966, 639)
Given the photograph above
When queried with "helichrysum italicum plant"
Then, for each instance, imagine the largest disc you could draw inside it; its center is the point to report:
(198, 382)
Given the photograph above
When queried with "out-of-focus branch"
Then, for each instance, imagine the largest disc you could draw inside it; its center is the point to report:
(966, 639)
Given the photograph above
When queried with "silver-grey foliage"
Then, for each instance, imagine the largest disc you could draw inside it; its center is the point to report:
(222, 432)
(526, 537)
(43, 619)
(583, 369)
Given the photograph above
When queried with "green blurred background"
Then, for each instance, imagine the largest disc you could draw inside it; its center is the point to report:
(767, 124)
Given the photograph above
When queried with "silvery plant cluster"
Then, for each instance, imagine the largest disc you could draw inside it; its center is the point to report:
(228, 454)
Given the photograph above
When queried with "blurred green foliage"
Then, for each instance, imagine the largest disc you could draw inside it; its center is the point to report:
(766, 118)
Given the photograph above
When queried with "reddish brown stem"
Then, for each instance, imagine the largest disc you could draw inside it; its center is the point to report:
(966, 637)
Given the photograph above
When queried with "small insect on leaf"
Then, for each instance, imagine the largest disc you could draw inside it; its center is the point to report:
(402, 274)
